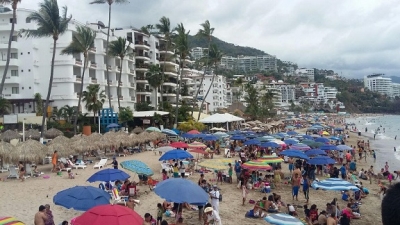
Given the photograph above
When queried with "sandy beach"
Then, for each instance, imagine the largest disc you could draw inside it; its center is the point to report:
(22, 199)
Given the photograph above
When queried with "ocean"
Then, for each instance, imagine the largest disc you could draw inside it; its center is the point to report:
(387, 130)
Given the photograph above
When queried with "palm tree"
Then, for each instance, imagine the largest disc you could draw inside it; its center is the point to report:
(215, 56)
(155, 78)
(14, 4)
(5, 106)
(164, 27)
(50, 23)
(119, 48)
(182, 48)
(109, 2)
(206, 32)
(94, 98)
(67, 112)
(39, 104)
(82, 42)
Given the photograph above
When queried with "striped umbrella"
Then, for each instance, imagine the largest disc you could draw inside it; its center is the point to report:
(334, 184)
(197, 144)
(256, 165)
(271, 159)
(8, 220)
(216, 164)
(282, 219)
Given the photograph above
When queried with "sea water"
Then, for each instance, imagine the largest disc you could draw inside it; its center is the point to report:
(386, 129)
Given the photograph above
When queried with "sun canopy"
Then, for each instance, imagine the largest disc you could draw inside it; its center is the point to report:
(221, 118)
(149, 113)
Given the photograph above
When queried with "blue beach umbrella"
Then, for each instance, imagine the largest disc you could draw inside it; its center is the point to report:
(282, 219)
(137, 167)
(315, 152)
(308, 137)
(295, 154)
(176, 130)
(270, 145)
(152, 129)
(322, 140)
(238, 137)
(187, 135)
(112, 125)
(81, 198)
(338, 129)
(343, 148)
(321, 160)
(328, 147)
(107, 175)
(175, 154)
(335, 138)
(221, 134)
(292, 133)
(181, 190)
(290, 142)
(169, 132)
(334, 184)
(252, 142)
(210, 138)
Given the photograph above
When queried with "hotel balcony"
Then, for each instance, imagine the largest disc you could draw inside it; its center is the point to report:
(4, 45)
(145, 56)
(142, 67)
(163, 50)
(142, 45)
(172, 74)
(93, 65)
(141, 79)
(13, 80)
(92, 50)
(144, 91)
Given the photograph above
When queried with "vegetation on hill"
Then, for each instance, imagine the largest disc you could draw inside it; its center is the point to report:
(225, 47)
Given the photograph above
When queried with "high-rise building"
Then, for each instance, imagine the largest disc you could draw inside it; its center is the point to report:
(198, 52)
(378, 83)
(220, 95)
(250, 63)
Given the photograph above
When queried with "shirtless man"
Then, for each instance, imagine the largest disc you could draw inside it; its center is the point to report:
(131, 203)
(40, 217)
(331, 219)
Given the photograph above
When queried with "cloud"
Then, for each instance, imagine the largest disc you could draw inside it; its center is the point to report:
(354, 38)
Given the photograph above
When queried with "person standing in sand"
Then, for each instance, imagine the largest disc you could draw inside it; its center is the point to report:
(54, 160)
(40, 217)
(49, 215)
(295, 186)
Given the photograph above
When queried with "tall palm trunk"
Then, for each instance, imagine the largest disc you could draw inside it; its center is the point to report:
(178, 91)
(46, 105)
(162, 79)
(3, 79)
(119, 83)
(204, 99)
(94, 118)
(85, 64)
(108, 42)
(202, 79)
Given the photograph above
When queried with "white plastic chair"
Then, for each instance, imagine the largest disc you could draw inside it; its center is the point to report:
(117, 199)
(13, 173)
(79, 165)
(5, 168)
(100, 164)
(28, 171)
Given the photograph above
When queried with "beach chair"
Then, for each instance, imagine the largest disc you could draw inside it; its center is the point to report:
(81, 164)
(354, 179)
(13, 173)
(4, 168)
(28, 171)
(149, 148)
(166, 168)
(118, 199)
(101, 164)
(152, 183)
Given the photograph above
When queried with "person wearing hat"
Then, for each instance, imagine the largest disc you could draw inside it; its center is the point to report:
(214, 194)
(115, 163)
(212, 216)
(40, 217)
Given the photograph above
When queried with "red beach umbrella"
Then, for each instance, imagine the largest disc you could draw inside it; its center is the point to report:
(193, 132)
(179, 144)
(109, 215)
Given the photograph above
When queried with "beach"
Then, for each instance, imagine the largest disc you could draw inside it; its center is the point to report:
(22, 199)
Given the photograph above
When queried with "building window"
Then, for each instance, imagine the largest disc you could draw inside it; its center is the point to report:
(11, 20)
(14, 73)
(15, 90)
(28, 20)
(14, 55)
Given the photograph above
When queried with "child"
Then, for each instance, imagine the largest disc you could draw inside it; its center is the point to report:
(244, 193)
(390, 178)
(71, 175)
(292, 210)
(160, 211)
(219, 176)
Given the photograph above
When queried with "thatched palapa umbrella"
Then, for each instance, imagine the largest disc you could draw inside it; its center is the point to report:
(137, 130)
(32, 151)
(94, 137)
(8, 153)
(60, 140)
(32, 134)
(82, 145)
(52, 133)
(62, 149)
(8, 135)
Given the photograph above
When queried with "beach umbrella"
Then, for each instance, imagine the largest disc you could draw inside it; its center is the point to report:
(289, 127)
(179, 190)
(197, 144)
(290, 142)
(269, 137)
(328, 147)
(152, 129)
(315, 144)
(8, 220)
(334, 184)
(238, 137)
(60, 140)
(252, 142)
(308, 137)
(282, 219)
(107, 175)
(187, 135)
(321, 160)
(8, 152)
(108, 215)
(193, 132)
(295, 154)
(32, 134)
(315, 152)
(307, 141)
(322, 140)
(175, 154)
(164, 148)
(112, 125)
(221, 134)
(137, 130)
(82, 145)
(198, 150)
(216, 164)
(259, 165)
(343, 148)
(300, 146)
(8, 135)
(269, 145)
(292, 133)
(169, 132)
(137, 167)
(338, 129)
(179, 144)
(62, 149)
(271, 159)
(53, 133)
(210, 138)
(32, 151)
(335, 138)
(81, 198)
(94, 137)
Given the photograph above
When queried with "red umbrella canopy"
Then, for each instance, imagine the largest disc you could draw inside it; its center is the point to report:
(109, 215)
(193, 132)
(179, 144)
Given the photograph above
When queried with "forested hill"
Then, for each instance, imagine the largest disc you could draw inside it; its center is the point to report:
(225, 47)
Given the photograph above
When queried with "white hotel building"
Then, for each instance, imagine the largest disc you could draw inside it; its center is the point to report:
(30, 64)
(378, 83)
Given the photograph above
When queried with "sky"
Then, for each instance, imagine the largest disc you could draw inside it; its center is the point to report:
(354, 38)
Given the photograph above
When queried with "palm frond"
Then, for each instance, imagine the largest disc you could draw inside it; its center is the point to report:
(98, 2)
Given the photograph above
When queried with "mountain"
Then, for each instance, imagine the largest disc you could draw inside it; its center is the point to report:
(225, 47)
(395, 79)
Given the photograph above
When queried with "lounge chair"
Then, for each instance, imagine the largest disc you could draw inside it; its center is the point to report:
(13, 173)
(81, 164)
(4, 168)
(118, 199)
(28, 171)
(166, 167)
(101, 164)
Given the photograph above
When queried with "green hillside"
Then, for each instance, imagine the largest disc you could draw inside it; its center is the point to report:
(225, 47)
